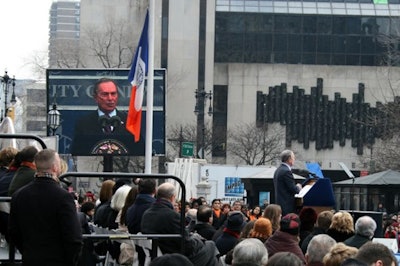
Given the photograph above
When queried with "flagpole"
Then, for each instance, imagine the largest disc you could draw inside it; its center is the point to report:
(150, 93)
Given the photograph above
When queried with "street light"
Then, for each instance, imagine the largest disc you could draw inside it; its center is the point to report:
(201, 97)
(53, 119)
(6, 80)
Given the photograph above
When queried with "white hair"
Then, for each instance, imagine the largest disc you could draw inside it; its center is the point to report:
(250, 251)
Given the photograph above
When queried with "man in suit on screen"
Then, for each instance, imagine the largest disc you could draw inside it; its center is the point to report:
(94, 132)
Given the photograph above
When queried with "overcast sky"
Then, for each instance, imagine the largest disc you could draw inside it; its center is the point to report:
(24, 32)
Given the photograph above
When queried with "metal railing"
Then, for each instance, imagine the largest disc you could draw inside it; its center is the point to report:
(154, 237)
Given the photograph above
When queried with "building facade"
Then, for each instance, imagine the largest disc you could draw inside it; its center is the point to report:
(240, 49)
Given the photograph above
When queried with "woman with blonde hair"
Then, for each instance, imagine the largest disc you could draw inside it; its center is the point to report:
(273, 212)
(339, 253)
(342, 226)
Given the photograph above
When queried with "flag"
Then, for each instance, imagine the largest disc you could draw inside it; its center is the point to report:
(136, 77)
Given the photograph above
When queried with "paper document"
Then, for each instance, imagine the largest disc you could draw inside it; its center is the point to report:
(303, 191)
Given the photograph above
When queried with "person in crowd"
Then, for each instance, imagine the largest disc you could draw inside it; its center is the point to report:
(9, 162)
(113, 219)
(146, 190)
(308, 217)
(173, 259)
(177, 206)
(284, 183)
(255, 213)
(318, 247)
(364, 232)
(129, 201)
(273, 212)
(52, 233)
(324, 220)
(204, 220)
(89, 196)
(191, 218)
(245, 232)
(373, 253)
(237, 205)
(160, 218)
(245, 210)
(392, 229)
(102, 209)
(338, 253)
(218, 216)
(284, 258)
(342, 226)
(128, 250)
(7, 155)
(231, 233)
(381, 208)
(353, 262)
(262, 229)
(249, 252)
(88, 256)
(26, 171)
(286, 238)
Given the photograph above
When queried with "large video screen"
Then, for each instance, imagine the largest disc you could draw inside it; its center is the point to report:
(85, 130)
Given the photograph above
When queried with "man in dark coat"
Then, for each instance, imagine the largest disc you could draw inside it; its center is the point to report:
(104, 131)
(203, 225)
(26, 170)
(365, 229)
(43, 220)
(161, 218)
(147, 190)
(284, 183)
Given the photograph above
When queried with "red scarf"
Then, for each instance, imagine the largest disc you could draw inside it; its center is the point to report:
(29, 164)
(232, 233)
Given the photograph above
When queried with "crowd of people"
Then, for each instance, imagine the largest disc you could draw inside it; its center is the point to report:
(46, 223)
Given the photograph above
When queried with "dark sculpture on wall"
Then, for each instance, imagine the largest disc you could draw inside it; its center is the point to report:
(314, 117)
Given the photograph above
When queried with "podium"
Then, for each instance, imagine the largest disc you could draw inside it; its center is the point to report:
(317, 193)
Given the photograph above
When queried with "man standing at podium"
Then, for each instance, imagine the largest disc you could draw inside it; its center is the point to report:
(284, 183)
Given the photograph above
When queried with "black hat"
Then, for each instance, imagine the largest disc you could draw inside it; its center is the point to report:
(290, 223)
(235, 221)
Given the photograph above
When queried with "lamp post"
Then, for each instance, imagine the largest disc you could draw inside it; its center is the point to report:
(201, 97)
(7, 81)
(53, 119)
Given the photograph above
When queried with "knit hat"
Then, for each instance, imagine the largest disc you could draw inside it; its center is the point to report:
(290, 223)
(235, 221)
(262, 228)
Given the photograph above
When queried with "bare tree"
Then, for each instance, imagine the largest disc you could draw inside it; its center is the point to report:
(253, 145)
(187, 133)
(66, 54)
(110, 47)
